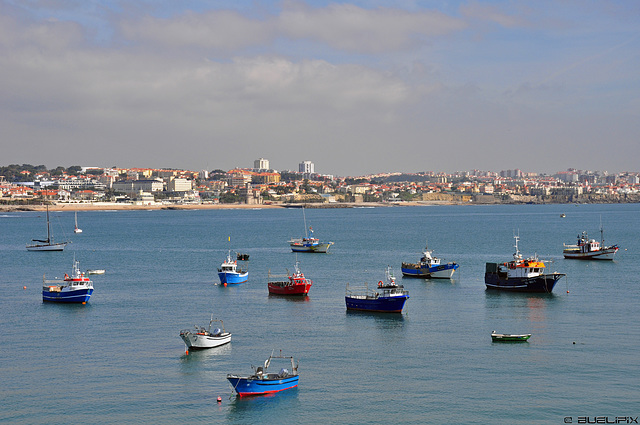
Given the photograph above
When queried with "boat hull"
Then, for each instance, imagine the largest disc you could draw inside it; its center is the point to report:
(380, 304)
(246, 386)
(64, 296)
(444, 271)
(302, 289)
(233, 278)
(320, 248)
(510, 338)
(195, 341)
(603, 254)
(542, 283)
(47, 247)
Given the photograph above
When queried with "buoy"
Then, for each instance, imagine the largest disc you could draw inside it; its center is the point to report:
(567, 292)
(24, 287)
(219, 399)
(224, 284)
(186, 352)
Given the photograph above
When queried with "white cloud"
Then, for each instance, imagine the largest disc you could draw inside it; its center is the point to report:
(349, 27)
(224, 30)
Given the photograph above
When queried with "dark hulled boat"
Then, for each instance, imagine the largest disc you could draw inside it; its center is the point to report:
(520, 275)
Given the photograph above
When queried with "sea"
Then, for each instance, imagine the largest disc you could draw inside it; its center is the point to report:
(119, 359)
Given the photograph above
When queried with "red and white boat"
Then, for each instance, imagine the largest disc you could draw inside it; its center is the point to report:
(590, 249)
(289, 284)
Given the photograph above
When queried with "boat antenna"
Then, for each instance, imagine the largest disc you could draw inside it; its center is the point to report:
(516, 255)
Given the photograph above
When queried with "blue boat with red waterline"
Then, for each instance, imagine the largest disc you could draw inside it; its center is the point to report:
(387, 297)
(263, 382)
(76, 288)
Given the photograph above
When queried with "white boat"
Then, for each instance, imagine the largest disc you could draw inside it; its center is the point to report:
(202, 338)
(96, 271)
(76, 229)
(46, 244)
(590, 249)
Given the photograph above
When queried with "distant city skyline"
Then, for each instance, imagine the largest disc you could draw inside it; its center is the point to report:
(357, 87)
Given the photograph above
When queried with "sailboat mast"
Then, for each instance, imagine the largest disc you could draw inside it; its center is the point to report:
(48, 226)
(304, 217)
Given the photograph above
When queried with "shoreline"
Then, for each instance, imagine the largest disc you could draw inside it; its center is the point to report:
(106, 206)
(113, 206)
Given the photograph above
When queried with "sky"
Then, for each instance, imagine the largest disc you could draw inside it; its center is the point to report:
(358, 87)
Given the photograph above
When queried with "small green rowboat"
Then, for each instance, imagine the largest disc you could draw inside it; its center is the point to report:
(496, 337)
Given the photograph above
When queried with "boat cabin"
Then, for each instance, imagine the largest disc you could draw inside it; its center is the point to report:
(517, 269)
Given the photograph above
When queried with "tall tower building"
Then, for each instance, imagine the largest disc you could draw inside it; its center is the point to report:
(261, 164)
(306, 167)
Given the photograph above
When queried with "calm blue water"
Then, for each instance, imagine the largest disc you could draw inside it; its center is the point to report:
(119, 359)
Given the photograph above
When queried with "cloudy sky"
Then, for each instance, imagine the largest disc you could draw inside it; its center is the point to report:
(356, 87)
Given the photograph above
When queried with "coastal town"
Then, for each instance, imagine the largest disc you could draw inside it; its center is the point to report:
(25, 186)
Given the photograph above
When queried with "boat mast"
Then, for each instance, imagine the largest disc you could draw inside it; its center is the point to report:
(516, 255)
(304, 217)
(48, 226)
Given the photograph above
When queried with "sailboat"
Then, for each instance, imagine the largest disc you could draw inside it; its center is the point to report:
(46, 244)
(76, 229)
(308, 243)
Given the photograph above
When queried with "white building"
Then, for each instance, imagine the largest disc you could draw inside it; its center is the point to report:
(179, 185)
(306, 167)
(133, 187)
(261, 164)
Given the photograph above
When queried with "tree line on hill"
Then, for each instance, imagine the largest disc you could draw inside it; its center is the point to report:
(16, 172)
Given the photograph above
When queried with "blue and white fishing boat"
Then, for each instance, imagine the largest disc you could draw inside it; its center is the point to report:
(262, 382)
(76, 288)
(388, 297)
(429, 266)
(230, 273)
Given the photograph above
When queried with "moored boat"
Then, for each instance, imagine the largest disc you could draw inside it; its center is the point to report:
(76, 228)
(429, 266)
(289, 284)
(496, 337)
(201, 338)
(46, 244)
(76, 288)
(263, 382)
(590, 249)
(230, 273)
(520, 274)
(387, 297)
(308, 243)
